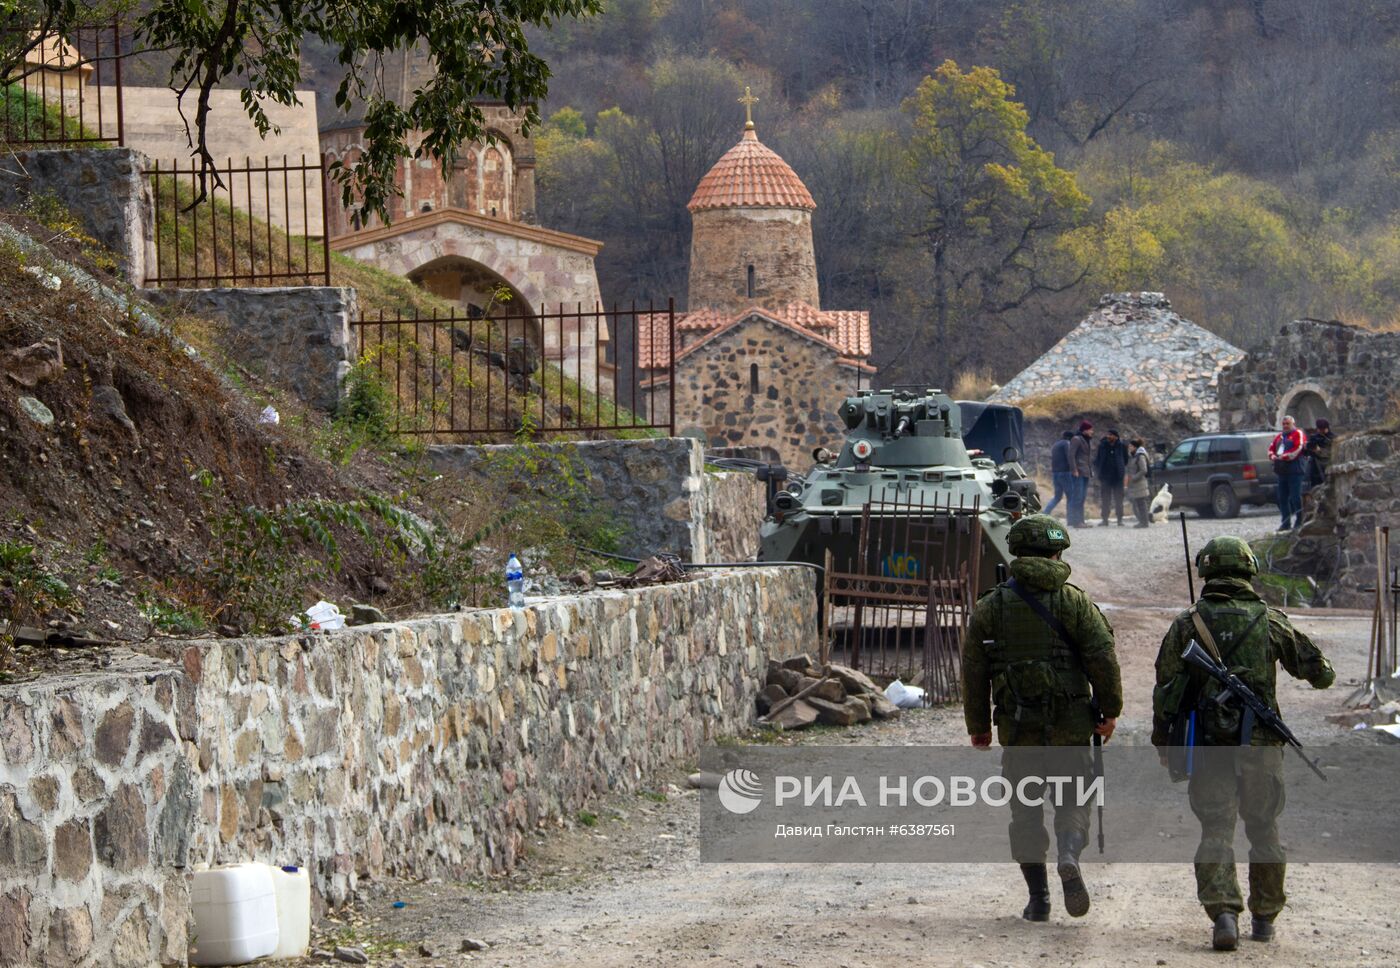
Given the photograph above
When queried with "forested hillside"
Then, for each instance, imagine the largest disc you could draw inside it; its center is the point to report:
(986, 169)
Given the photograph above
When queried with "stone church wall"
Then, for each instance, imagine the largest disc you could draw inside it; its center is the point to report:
(777, 242)
(787, 406)
(426, 748)
(1315, 368)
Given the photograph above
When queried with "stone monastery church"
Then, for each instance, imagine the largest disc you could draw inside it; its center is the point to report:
(759, 364)
(465, 235)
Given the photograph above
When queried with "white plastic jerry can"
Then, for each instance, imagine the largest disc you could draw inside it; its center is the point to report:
(293, 888)
(234, 909)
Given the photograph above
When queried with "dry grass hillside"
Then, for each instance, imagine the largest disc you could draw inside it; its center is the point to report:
(140, 496)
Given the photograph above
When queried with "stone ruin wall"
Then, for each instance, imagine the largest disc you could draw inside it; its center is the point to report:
(1337, 548)
(426, 748)
(1355, 372)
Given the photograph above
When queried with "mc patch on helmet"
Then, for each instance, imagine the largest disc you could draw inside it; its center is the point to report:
(1037, 534)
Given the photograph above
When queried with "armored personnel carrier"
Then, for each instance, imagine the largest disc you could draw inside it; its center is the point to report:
(905, 456)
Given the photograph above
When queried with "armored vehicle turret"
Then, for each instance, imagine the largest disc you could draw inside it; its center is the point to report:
(905, 454)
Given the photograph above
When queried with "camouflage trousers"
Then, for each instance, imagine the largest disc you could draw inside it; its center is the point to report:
(1224, 789)
(1029, 840)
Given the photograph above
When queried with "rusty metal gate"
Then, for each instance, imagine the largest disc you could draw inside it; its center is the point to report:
(897, 606)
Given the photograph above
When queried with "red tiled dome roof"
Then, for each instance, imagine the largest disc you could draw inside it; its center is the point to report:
(751, 175)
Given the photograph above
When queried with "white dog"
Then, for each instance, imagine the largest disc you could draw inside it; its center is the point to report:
(1162, 504)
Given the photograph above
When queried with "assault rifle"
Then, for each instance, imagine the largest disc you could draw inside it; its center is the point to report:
(1253, 705)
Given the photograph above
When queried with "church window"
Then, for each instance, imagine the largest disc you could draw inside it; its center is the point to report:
(751, 281)
(753, 378)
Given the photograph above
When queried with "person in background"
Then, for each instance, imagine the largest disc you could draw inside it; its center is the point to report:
(1079, 456)
(1111, 467)
(1060, 471)
(1136, 482)
(1285, 451)
(1319, 448)
(1318, 451)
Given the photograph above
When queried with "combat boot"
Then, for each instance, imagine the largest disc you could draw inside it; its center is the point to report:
(1076, 893)
(1226, 936)
(1038, 883)
(1261, 929)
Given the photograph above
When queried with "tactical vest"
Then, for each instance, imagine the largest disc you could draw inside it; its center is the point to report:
(1241, 633)
(1036, 678)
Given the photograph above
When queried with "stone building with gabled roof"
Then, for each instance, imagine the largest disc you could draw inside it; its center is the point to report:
(758, 363)
(1133, 341)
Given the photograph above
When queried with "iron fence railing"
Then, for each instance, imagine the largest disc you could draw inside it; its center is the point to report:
(461, 376)
(261, 223)
(66, 90)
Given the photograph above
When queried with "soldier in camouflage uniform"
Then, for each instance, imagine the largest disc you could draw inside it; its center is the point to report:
(1250, 638)
(1043, 688)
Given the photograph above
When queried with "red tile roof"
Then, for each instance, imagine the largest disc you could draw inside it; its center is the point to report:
(845, 332)
(751, 175)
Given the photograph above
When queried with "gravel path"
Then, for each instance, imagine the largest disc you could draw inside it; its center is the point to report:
(631, 890)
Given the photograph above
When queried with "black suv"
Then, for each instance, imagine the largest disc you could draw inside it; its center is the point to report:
(1217, 473)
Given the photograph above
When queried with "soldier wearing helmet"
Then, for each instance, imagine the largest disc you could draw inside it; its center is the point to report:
(1234, 625)
(1037, 657)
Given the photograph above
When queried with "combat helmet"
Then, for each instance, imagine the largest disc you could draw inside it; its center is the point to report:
(1226, 556)
(1037, 534)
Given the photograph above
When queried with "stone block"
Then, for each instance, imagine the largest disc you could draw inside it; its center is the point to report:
(120, 831)
(16, 738)
(70, 936)
(44, 791)
(848, 713)
(72, 851)
(15, 933)
(114, 735)
(22, 842)
(799, 715)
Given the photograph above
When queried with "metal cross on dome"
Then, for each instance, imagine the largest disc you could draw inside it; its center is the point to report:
(748, 101)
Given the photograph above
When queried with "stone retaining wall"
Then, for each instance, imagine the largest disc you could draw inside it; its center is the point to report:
(102, 187)
(734, 509)
(657, 489)
(294, 336)
(430, 747)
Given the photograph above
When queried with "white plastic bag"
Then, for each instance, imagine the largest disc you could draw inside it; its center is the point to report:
(905, 697)
(325, 616)
(269, 415)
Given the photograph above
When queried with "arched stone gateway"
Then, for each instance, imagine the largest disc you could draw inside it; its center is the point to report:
(1306, 402)
(462, 256)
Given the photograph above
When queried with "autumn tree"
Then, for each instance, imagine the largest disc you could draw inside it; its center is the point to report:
(986, 203)
(479, 48)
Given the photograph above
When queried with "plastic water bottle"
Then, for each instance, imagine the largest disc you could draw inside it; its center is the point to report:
(515, 582)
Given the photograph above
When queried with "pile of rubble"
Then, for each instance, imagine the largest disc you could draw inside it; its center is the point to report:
(797, 693)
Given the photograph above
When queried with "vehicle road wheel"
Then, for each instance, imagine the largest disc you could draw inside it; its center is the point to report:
(1223, 503)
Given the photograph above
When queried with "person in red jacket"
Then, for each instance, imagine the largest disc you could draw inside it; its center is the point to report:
(1285, 452)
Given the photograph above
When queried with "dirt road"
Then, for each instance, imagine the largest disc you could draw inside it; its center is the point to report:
(630, 890)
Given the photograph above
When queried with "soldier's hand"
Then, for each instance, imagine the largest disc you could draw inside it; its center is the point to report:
(982, 741)
(1105, 728)
(1162, 757)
